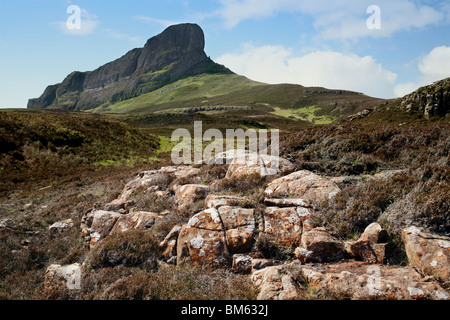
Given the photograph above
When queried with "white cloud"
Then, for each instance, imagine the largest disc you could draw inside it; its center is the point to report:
(338, 19)
(89, 23)
(164, 23)
(433, 67)
(330, 69)
(436, 65)
(403, 89)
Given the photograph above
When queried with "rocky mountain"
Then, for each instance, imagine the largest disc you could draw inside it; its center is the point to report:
(175, 53)
(432, 100)
(172, 71)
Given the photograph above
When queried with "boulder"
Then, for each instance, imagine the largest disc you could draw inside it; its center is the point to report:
(243, 167)
(202, 241)
(228, 156)
(242, 264)
(202, 247)
(240, 228)
(243, 162)
(151, 180)
(116, 205)
(304, 185)
(188, 194)
(59, 277)
(258, 263)
(97, 225)
(212, 236)
(369, 247)
(276, 165)
(59, 227)
(318, 245)
(275, 284)
(428, 252)
(136, 221)
(208, 219)
(246, 163)
(283, 224)
(361, 281)
(306, 217)
(217, 201)
(180, 171)
(374, 233)
(367, 251)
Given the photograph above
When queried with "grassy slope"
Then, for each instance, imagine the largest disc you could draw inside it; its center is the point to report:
(44, 145)
(294, 102)
(192, 90)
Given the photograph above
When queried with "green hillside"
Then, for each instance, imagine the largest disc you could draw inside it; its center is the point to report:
(221, 93)
(192, 91)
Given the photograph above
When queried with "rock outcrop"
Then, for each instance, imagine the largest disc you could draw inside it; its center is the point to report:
(371, 246)
(140, 220)
(319, 245)
(431, 101)
(275, 284)
(283, 224)
(165, 58)
(188, 194)
(243, 163)
(60, 227)
(213, 235)
(253, 239)
(97, 225)
(303, 184)
(428, 253)
(202, 241)
(360, 281)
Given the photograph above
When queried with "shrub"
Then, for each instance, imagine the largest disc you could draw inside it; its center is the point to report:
(357, 206)
(168, 283)
(352, 148)
(242, 185)
(271, 249)
(149, 201)
(130, 249)
(426, 205)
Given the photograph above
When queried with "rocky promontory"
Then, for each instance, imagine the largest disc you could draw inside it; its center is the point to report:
(175, 53)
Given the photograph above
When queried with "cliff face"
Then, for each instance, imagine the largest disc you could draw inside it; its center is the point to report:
(430, 101)
(167, 57)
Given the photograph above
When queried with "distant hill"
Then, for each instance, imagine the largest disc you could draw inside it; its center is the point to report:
(172, 72)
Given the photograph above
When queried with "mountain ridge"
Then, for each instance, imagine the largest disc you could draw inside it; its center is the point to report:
(176, 54)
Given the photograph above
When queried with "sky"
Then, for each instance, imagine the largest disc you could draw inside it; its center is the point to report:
(382, 48)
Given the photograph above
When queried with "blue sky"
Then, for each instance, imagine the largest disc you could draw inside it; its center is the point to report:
(313, 43)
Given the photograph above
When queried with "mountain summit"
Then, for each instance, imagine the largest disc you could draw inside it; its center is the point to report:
(176, 53)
